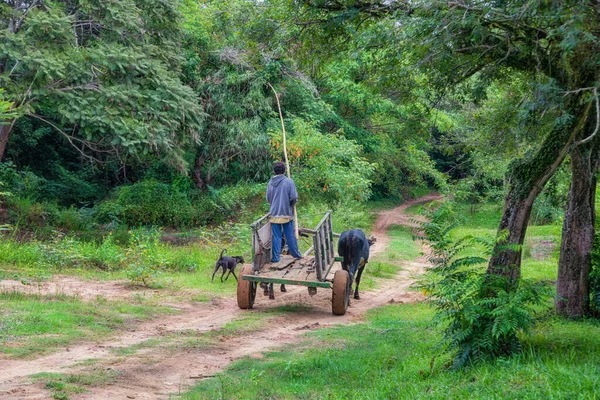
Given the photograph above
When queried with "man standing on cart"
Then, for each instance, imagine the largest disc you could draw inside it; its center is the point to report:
(282, 196)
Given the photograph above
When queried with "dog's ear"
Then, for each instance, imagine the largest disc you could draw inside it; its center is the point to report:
(372, 240)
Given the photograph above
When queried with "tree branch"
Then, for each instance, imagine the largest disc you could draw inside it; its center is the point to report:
(589, 138)
(68, 137)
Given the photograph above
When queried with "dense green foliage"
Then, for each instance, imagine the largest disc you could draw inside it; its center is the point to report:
(482, 314)
(124, 123)
(102, 74)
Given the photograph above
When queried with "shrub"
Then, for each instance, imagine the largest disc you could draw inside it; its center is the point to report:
(24, 184)
(28, 214)
(482, 313)
(326, 165)
(147, 202)
(72, 219)
(108, 212)
(238, 200)
(142, 274)
(151, 203)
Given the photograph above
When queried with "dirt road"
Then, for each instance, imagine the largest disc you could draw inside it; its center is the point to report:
(158, 371)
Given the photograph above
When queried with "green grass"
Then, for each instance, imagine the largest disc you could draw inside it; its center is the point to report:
(393, 355)
(486, 215)
(33, 324)
(132, 254)
(403, 248)
(484, 222)
(61, 386)
(176, 267)
(384, 204)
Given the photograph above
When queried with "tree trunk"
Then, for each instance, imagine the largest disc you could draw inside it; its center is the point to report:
(4, 135)
(572, 288)
(527, 178)
(506, 258)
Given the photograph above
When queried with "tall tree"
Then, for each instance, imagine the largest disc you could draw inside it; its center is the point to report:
(556, 41)
(572, 284)
(103, 74)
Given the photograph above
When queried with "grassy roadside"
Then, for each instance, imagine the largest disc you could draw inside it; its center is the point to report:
(177, 265)
(387, 264)
(98, 372)
(153, 258)
(394, 354)
(62, 386)
(33, 325)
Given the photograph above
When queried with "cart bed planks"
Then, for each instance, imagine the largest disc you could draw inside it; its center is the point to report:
(289, 271)
(317, 269)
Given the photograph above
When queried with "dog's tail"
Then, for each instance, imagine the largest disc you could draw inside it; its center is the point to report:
(223, 252)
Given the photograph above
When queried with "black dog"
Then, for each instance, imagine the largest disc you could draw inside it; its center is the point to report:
(228, 263)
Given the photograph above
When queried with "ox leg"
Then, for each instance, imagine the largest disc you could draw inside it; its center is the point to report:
(271, 292)
(282, 288)
(265, 288)
(360, 270)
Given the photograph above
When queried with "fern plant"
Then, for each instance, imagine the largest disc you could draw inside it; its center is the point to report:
(482, 315)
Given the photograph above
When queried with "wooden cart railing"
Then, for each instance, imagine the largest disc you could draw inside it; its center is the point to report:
(261, 242)
(323, 245)
(313, 271)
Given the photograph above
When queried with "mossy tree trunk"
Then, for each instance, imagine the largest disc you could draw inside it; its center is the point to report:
(572, 287)
(526, 180)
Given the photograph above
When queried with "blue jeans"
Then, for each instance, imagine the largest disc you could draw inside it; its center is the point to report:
(290, 238)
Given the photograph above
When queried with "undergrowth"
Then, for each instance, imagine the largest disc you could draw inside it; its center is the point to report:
(482, 313)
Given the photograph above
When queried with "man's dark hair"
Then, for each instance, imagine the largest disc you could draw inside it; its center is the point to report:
(279, 168)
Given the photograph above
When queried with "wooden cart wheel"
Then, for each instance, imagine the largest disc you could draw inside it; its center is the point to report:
(341, 294)
(246, 290)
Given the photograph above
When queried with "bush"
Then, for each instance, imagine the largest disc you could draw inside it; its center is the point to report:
(72, 219)
(147, 202)
(483, 314)
(326, 165)
(242, 198)
(24, 184)
(151, 203)
(25, 213)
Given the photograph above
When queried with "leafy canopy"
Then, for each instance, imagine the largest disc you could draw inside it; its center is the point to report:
(104, 71)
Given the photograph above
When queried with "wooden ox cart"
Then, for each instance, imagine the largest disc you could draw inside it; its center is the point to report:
(315, 270)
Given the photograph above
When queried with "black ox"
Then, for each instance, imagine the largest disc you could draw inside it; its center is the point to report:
(353, 247)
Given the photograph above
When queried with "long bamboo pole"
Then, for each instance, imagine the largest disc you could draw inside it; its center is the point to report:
(287, 163)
